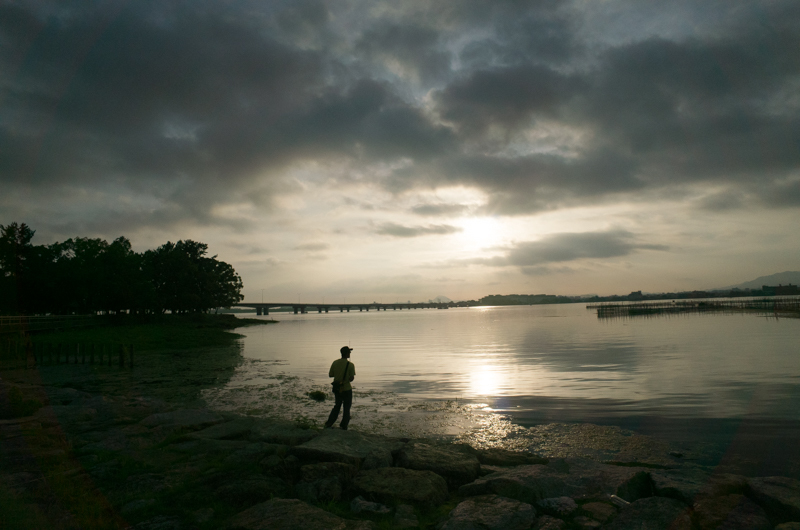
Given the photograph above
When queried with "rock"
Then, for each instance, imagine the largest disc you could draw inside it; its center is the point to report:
(572, 478)
(281, 432)
(599, 511)
(729, 512)
(404, 517)
(252, 453)
(271, 462)
(162, 522)
(788, 526)
(688, 483)
(325, 489)
(250, 490)
(203, 514)
(557, 506)
(350, 447)
(137, 505)
(779, 496)
(229, 430)
(585, 522)
(524, 483)
(504, 457)
(187, 419)
(652, 513)
(638, 486)
(546, 522)
(389, 483)
(456, 464)
(491, 512)
(204, 446)
(292, 514)
(359, 505)
(344, 472)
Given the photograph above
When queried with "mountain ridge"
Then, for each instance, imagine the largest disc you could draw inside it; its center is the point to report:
(782, 278)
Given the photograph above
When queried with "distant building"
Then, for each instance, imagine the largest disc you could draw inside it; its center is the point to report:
(780, 290)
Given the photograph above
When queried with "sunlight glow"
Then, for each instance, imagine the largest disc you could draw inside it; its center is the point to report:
(485, 381)
(480, 232)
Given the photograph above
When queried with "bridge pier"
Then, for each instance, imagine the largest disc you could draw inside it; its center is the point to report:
(295, 309)
(258, 311)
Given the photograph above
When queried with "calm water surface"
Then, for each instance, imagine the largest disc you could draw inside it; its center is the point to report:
(518, 358)
(728, 379)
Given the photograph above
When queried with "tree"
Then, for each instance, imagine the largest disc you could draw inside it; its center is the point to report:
(15, 250)
(185, 280)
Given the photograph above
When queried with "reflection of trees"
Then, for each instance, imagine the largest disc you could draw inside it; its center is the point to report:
(84, 275)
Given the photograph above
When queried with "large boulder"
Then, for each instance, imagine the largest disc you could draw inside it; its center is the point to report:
(250, 490)
(189, 419)
(503, 457)
(456, 463)
(779, 496)
(689, 483)
(491, 512)
(361, 450)
(731, 512)
(652, 513)
(230, 430)
(524, 483)
(388, 484)
(292, 514)
(572, 478)
(322, 470)
(280, 432)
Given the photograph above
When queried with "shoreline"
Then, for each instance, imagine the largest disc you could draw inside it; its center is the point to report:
(135, 461)
(142, 448)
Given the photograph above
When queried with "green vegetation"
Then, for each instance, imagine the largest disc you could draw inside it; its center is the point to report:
(85, 276)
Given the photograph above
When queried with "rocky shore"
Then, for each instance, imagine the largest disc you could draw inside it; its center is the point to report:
(88, 460)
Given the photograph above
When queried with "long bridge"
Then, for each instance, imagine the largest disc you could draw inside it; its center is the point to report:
(262, 308)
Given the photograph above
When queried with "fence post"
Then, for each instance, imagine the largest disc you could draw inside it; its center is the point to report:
(58, 354)
(110, 354)
(130, 364)
(121, 356)
(91, 354)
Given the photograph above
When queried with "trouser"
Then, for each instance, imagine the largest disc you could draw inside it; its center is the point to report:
(342, 398)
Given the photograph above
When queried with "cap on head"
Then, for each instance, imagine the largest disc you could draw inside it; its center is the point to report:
(345, 350)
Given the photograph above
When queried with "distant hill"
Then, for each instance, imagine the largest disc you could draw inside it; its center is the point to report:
(782, 278)
(441, 299)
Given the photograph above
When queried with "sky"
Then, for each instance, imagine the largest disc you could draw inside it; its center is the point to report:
(368, 150)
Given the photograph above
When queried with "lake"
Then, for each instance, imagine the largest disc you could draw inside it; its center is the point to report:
(727, 378)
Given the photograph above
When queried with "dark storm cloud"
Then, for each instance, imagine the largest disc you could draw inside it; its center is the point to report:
(653, 113)
(416, 48)
(396, 230)
(191, 103)
(504, 96)
(185, 106)
(535, 257)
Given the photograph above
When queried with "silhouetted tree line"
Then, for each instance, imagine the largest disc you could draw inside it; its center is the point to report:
(84, 275)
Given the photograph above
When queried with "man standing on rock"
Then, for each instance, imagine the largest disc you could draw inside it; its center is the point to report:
(342, 371)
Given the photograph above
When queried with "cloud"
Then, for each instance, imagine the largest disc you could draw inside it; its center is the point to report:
(315, 247)
(567, 247)
(536, 257)
(536, 104)
(440, 209)
(396, 230)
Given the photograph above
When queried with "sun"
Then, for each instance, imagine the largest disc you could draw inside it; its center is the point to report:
(480, 232)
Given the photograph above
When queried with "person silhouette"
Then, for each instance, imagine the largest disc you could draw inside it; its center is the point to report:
(343, 372)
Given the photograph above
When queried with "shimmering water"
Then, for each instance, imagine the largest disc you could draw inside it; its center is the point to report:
(729, 379)
(516, 358)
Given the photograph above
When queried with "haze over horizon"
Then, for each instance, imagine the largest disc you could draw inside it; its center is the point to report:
(404, 150)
